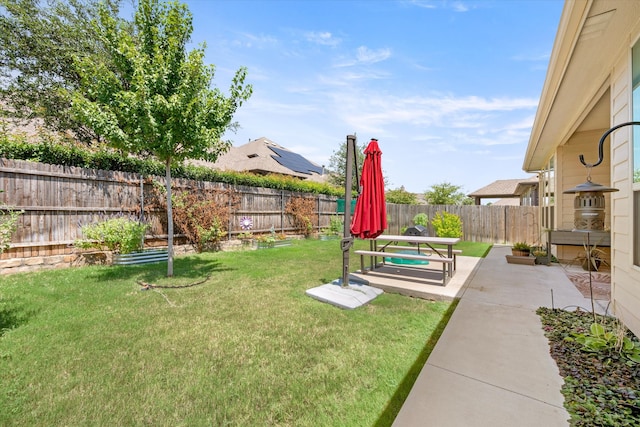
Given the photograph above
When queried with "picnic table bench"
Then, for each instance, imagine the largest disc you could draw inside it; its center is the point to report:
(446, 262)
(426, 251)
(445, 256)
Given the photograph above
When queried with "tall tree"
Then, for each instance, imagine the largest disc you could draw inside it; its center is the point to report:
(38, 43)
(151, 96)
(446, 193)
(337, 165)
(400, 196)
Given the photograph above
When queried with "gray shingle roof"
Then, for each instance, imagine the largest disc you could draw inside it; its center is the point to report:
(504, 188)
(257, 156)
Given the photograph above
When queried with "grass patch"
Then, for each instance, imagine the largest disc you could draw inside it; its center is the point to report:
(474, 249)
(86, 346)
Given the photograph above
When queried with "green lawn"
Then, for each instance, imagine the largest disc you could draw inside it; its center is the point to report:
(87, 346)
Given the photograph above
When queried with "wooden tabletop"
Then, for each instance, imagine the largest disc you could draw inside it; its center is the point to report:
(419, 239)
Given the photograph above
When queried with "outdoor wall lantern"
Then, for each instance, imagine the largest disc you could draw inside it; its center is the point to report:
(589, 202)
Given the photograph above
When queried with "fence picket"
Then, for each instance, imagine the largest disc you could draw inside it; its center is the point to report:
(58, 200)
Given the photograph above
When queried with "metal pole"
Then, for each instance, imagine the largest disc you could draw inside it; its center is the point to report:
(593, 307)
(347, 240)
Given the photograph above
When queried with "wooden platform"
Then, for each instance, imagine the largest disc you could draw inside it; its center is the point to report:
(414, 281)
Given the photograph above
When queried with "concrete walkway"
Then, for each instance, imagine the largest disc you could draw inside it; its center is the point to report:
(491, 366)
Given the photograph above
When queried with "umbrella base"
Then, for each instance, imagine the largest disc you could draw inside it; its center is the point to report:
(356, 294)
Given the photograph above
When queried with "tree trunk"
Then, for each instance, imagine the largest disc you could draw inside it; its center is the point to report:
(169, 219)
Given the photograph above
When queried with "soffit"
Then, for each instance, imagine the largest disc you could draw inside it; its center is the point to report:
(591, 37)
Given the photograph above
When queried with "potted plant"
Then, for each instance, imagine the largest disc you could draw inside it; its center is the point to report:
(541, 256)
(521, 249)
(592, 258)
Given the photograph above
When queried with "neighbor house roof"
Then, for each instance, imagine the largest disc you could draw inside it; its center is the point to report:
(504, 188)
(263, 156)
(29, 128)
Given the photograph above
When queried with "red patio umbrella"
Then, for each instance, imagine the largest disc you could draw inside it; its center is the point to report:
(370, 214)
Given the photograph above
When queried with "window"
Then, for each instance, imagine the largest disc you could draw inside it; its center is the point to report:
(635, 100)
(547, 194)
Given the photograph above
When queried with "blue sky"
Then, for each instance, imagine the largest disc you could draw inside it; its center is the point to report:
(449, 88)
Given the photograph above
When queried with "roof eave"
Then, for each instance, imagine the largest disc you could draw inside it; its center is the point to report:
(541, 145)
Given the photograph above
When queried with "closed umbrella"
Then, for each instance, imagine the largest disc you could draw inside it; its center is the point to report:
(370, 213)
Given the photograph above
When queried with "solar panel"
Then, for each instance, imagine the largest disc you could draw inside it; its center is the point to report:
(294, 161)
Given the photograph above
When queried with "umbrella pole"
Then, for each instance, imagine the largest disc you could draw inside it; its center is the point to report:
(347, 240)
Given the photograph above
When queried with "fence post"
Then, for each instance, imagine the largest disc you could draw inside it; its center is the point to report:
(230, 222)
(282, 211)
(318, 208)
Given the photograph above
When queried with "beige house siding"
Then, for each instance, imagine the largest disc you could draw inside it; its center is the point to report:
(625, 276)
(587, 91)
(574, 173)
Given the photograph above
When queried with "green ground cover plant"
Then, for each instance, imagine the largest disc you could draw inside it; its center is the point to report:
(118, 234)
(89, 346)
(596, 360)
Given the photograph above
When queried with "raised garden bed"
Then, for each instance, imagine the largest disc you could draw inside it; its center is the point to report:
(276, 244)
(141, 257)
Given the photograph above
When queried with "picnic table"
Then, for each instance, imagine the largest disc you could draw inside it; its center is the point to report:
(384, 245)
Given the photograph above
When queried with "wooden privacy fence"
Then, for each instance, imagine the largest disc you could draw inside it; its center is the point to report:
(58, 200)
(493, 224)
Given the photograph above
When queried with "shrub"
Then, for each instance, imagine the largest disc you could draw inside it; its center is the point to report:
(446, 224)
(202, 215)
(336, 226)
(301, 210)
(421, 219)
(64, 152)
(8, 225)
(120, 235)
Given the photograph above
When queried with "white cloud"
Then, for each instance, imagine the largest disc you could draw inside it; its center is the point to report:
(456, 6)
(249, 40)
(459, 6)
(425, 4)
(368, 56)
(324, 38)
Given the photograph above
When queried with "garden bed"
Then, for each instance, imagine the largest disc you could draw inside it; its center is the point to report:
(276, 244)
(141, 257)
(600, 388)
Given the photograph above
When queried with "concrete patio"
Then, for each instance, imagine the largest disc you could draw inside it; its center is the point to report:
(491, 366)
(421, 281)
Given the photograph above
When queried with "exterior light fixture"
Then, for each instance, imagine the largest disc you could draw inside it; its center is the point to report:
(589, 202)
